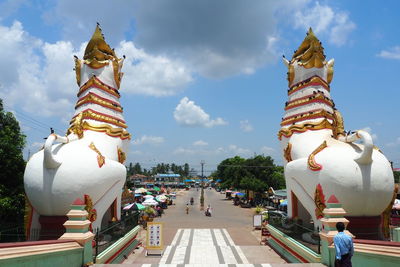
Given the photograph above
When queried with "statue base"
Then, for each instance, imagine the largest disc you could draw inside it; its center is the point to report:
(52, 227)
(365, 227)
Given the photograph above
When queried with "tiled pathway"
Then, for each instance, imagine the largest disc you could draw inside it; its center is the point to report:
(203, 246)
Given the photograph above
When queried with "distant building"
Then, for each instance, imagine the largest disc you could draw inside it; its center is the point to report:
(167, 178)
(140, 179)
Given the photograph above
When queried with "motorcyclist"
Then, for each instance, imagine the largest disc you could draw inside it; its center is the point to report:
(191, 201)
(187, 208)
(208, 211)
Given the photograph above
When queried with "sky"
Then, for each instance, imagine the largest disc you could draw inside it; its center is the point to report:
(204, 80)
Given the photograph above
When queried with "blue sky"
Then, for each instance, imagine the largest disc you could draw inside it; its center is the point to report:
(203, 79)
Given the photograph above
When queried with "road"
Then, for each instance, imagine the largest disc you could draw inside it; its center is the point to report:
(226, 237)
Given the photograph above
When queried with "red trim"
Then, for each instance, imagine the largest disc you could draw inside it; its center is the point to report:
(105, 131)
(294, 253)
(88, 64)
(307, 117)
(121, 249)
(333, 199)
(34, 243)
(323, 101)
(99, 113)
(108, 89)
(307, 83)
(85, 101)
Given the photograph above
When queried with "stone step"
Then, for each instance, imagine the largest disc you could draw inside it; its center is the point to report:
(214, 265)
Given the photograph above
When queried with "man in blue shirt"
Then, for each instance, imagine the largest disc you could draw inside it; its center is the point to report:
(344, 247)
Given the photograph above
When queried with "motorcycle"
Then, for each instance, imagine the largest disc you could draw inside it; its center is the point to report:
(207, 213)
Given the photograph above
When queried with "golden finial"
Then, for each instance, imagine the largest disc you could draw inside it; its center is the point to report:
(310, 54)
(98, 52)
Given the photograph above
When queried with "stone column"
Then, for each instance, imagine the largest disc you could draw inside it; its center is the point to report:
(77, 228)
(333, 213)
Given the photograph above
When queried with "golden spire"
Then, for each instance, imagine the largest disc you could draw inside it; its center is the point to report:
(98, 52)
(310, 54)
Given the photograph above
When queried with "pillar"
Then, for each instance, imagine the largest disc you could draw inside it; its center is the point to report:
(333, 213)
(77, 228)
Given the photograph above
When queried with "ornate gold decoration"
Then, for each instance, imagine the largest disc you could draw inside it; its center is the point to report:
(28, 217)
(98, 54)
(310, 53)
(312, 164)
(121, 155)
(287, 152)
(101, 160)
(95, 99)
(76, 126)
(329, 75)
(307, 116)
(98, 116)
(78, 71)
(95, 82)
(319, 200)
(92, 213)
(301, 128)
(318, 97)
(105, 128)
(314, 80)
(338, 124)
(387, 213)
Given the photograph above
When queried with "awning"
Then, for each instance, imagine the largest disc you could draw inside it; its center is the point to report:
(156, 188)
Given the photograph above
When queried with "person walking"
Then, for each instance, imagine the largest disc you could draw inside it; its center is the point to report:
(343, 246)
(187, 208)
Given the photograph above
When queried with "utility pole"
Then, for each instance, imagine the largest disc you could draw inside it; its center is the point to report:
(202, 172)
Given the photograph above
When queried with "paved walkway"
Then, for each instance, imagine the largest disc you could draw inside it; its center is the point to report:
(225, 239)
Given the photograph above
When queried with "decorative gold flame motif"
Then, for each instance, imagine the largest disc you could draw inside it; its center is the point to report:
(101, 160)
(104, 128)
(92, 214)
(121, 155)
(310, 54)
(316, 114)
(312, 164)
(98, 52)
(76, 126)
(94, 82)
(318, 97)
(338, 125)
(301, 128)
(287, 152)
(97, 116)
(78, 71)
(319, 200)
(95, 99)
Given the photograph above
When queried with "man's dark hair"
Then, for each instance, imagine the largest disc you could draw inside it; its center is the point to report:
(340, 226)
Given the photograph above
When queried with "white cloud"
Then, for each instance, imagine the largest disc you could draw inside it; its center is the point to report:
(151, 140)
(38, 77)
(151, 75)
(200, 143)
(392, 53)
(369, 130)
(187, 113)
(238, 150)
(395, 143)
(246, 126)
(324, 20)
(267, 150)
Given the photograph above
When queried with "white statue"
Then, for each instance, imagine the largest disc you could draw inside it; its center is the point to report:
(89, 159)
(320, 159)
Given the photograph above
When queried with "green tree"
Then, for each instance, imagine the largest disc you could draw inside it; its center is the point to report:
(12, 166)
(396, 175)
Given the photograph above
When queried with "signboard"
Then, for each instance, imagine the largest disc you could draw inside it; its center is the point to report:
(257, 220)
(154, 238)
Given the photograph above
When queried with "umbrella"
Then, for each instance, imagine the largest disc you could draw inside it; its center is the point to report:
(140, 206)
(141, 190)
(149, 193)
(161, 198)
(156, 188)
(129, 206)
(283, 203)
(150, 202)
(228, 191)
(148, 197)
(240, 194)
